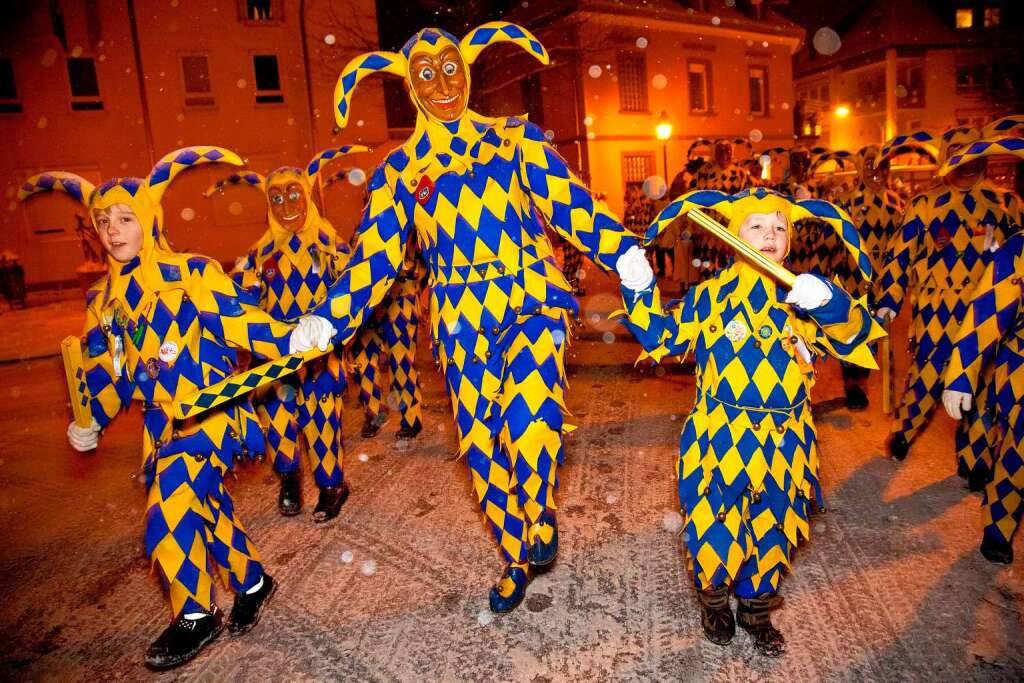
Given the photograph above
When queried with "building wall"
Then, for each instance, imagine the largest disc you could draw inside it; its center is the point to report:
(113, 141)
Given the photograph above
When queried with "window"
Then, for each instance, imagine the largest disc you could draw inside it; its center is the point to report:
(196, 72)
(85, 88)
(992, 17)
(632, 81)
(970, 78)
(758, 78)
(638, 211)
(9, 103)
(262, 11)
(533, 102)
(964, 17)
(699, 79)
(268, 80)
(910, 88)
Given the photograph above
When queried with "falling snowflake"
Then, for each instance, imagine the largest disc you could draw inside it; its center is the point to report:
(356, 176)
(716, 21)
(594, 71)
(485, 618)
(608, 337)
(329, 39)
(611, 499)
(672, 522)
(363, 457)
(654, 187)
(549, 135)
(188, 214)
(756, 135)
(368, 568)
(660, 81)
(240, 83)
(641, 42)
(826, 41)
(588, 121)
(235, 208)
(347, 557)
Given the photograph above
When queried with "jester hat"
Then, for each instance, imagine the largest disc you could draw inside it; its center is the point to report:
(920, 141)
(1008, 125)
(1000, 145)
(142, 195)
(430, 41)
(736, 208)
(307, 177)
(842, 159)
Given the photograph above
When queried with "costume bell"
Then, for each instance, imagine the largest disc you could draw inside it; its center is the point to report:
(288, 270)
(935, 259)
(748, 460)
(158, 325)
(472, 188)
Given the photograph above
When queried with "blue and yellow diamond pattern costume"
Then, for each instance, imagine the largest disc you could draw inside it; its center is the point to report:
(158, 326)
(288, 270)
(992, 334)
(476, 191)
(748, 454)
(935, 259)
(724, 177)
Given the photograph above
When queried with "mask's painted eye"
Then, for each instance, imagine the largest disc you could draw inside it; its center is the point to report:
(450, 68)
(426, 74)
(277, 199)
(293, 196)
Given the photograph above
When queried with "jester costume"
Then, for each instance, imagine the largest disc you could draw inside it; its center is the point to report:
(160, 325)
(478, 192)
(815, 248)
(993, 333)
(943, 247)
(748, 458)
(721, 173)
(288, 270)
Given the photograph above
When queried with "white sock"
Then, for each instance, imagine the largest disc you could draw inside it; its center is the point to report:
(259, 585)
(192, 616)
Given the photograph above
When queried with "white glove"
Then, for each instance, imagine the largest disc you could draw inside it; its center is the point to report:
(311, 330)
(84, 439)
(634, 270)
(991, 243)
(241, 263)
(809, 292)
(885, 313)
(955, 401)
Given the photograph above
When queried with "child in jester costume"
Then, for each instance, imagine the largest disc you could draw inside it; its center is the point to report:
(748, 459)
(946, 241)
(288, 270)
(992, 338)
(472, 188)
(876, 211)
(158, 325)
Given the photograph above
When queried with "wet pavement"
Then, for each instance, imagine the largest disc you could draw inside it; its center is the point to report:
(890, 587)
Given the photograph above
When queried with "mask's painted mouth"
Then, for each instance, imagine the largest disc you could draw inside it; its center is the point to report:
(289, 218)
(446, 102)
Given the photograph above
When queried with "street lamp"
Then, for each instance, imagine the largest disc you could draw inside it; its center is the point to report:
(663, 131)
(842, 111)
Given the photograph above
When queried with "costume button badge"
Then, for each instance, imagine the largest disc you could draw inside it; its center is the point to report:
(152, 368)
(736, 330)
(168, 352)
(765, 331)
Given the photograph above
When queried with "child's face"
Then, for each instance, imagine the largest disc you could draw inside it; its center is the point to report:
(119, 230)
(288, 204)
(768, 233)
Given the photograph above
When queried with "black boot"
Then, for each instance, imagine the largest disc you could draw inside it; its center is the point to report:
(898, 447)
(248, 607)
(856, 399)
(754, 615)
(372, 425)
(716, 615)
(978, 478)
(182, 640)
(999, 552)
(289, 498)
(409, 432)
(330, 502)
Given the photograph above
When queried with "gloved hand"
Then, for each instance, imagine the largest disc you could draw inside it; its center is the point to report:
(84, 439)
(634, 270)
(991, 243)
(885, 313)
(956, 402)
(311, 330)
(809, 292)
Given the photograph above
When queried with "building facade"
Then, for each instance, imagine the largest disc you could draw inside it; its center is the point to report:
(894, 67)
(710, 69)
(105, 87)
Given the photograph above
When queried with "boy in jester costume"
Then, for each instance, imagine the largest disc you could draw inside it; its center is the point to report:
(748, 459)
(991, 341)
(288, 270)
(158, 325)
(946, 241)
(478, 192)
(876, 211)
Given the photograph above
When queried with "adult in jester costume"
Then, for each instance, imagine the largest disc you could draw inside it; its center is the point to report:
(876, 211)
(720, 173)
(478, 192)
(159, 325)
(991, 341)
(946, 241)
(288, 270)
(748, 459)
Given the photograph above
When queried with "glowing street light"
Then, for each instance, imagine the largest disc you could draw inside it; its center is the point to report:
(663, 131)
(842, 111)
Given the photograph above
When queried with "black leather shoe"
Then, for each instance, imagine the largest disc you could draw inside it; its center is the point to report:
(330, 502)
(248, 608)
(372, 425)
(856, 399)
(978, 478)
(999, 552)
(754, 616)
(183, 640)
(716, 616)
(898, 447)
(289, 498)
(409, 432)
